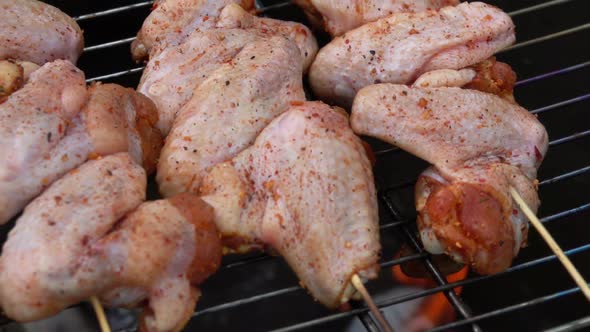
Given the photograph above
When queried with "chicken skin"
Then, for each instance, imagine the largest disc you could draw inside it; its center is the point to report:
(172, 21)
(400, 48)
(338, 17)
(480, 145)
(305, 189)
(53, 124)
(34, 31)
(228, 110)
(172, 75)
(72, 243)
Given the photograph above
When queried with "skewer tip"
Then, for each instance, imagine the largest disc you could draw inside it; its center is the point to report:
(360, 287)
(100, 315)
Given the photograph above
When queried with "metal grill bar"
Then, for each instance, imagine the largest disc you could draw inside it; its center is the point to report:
(569, 138)
(508, 309)
(572, 326)
(117, 74)
(565, 176)
(561, 104)
(420, 294)
(109, 44)
(547, 37)
(537, 7)
(113, 11)
(553, 73)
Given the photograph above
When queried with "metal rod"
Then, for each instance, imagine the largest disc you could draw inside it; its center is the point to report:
(109, 44)
(553, 73)
(117, 74)
(508, 309)
(358, 285)
(569, 138)
(547, 37)
(565, 176)
(561, 104)
(113, 11)
(572, 326)
(567, 264)
(537, 7)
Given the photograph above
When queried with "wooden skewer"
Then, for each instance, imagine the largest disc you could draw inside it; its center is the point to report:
(571, 269)
(358, 284)
(102, 318)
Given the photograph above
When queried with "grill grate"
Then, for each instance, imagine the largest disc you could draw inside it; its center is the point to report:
(260, 286)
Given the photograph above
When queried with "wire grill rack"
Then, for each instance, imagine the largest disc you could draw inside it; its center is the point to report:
(259, 293)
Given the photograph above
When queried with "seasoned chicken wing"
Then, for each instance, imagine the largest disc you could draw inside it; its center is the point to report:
(234, 16)
(401, 47)
(479, 145)
(172, 21)
(53, 124)
(338, 16)
(305, 188)
(172, 75)
(71, 243)
(228, 110)
(34, 31)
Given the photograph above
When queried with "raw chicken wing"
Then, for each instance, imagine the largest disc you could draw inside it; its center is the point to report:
(401, 47)
(340, 16)
(479, 145)
(172, 21)
(34, 31)
(53, 124)
(305, 188)
(228, 110)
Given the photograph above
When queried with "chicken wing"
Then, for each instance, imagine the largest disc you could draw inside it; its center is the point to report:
(479, 145)
(172, 75)
(235, 17)
(338, 17)
(71, 243)
(401, 47)
(34, 31)
(229, 110)
(305, 188)
(172, 21)
(53, 124)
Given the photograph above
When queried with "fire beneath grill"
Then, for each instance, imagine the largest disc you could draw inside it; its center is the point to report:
(260, 293)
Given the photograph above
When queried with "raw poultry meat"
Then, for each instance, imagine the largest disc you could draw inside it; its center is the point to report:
(338, 16)
(228, 110)
(173, 21)
(305, 189)
(13, 75)
(401, 47)
(71, 243)
(53, 124)
(235, 17)
(34, 31)
(479, 145)
(172, 75)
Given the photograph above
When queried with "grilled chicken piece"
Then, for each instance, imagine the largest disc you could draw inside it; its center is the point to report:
(172, 75)
(229, 110)
(479, 145)
(53, 124)
(305, 189)
(338, 17)
(401, 47)
(234, 16)
(71, 243)
(34, 31)
(172, 21)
